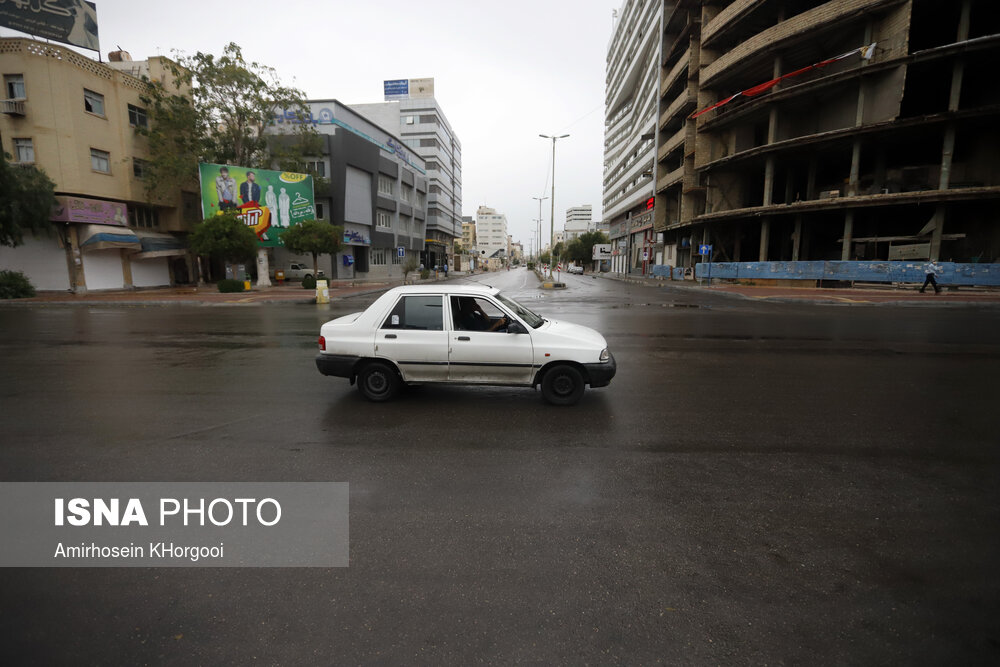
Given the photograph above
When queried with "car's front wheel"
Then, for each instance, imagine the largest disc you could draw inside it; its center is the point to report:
(562, 385)
(378, 381)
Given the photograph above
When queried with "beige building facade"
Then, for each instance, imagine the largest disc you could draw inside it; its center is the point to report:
(77, 119)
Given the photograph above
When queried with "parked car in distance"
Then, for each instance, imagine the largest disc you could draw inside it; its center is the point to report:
(298, 271)
(461, 334)
(573, 268)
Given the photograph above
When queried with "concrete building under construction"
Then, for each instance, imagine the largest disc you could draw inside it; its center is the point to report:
(795, 130)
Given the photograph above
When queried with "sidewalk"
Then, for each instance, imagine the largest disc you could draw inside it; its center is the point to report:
(206, 295)
(866, 295)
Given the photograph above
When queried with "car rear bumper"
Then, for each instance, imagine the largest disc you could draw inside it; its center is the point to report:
(338, 365)
(600, 374)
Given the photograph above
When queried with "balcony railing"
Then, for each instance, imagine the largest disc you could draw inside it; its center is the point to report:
(12, 107)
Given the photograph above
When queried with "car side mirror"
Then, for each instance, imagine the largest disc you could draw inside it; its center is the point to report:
(516, 328)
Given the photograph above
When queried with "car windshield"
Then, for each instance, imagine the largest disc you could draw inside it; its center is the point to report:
(533, 319)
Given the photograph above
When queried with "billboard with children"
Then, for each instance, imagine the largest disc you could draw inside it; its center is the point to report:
(268, 201)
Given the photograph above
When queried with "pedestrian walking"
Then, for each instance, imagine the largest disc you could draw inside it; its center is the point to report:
(931, 269)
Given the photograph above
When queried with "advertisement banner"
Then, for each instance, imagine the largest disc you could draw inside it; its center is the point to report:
(67, 21)
(268, 201)
(396, 89)
(89, 211)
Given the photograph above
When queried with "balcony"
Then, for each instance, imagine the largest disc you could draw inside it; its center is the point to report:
(12, 107)
(671, 178)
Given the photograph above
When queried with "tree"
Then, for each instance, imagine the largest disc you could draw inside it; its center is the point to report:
(410, 265)
(217, 110)
(28, 199)
(313, 237)
(581, 249)
(224, 236)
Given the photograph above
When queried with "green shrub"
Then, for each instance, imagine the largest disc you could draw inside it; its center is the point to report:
(425, 274)
(531, 266)
(309, 282)
(230, 285)
(15, 285)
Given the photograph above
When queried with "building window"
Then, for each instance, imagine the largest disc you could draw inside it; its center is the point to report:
(409, 120)
(406, 193)
(137, 116)
(140, 168)
(385, 184)
(378, 256)
(100, 161)
(93, 102)
(382, 219)
(24, 150)
(145, 217)
(428, 143)
(320, 213)
(396, 258)
(14, 83)
(316, 168)
(429, 119)
(432, 166)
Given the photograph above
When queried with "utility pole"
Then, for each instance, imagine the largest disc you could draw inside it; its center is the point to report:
(552, 219)
(539, 221)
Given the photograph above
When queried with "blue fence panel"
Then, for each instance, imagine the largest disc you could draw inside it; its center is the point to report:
(883, 272)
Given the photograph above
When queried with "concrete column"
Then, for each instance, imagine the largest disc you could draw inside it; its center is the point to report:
(936, 234)
(845, 249)
(126, 268)
(796, 238)
(811, 178)
(77, 279)
(852, 182)
(765, 238)
(768, 180)
(264, 269)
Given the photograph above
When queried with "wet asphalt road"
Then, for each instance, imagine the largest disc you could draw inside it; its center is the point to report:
(761, 483)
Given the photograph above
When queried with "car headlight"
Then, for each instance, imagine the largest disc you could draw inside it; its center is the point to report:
(605, 355)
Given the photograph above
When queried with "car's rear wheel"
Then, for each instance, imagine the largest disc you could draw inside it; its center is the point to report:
(378, 381)
(562, 385)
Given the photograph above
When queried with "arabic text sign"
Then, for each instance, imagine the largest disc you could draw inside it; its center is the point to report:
(67, 21)
(269, 201)
(89, 211)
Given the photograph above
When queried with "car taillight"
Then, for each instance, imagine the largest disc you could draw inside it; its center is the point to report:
(322, 344)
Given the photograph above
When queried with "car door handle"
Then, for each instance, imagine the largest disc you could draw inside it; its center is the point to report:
(390, 335)
(463, 338)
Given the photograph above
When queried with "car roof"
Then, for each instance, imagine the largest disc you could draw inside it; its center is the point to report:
(448, 288)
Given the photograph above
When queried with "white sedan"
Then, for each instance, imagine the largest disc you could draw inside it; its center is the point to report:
(461, 334)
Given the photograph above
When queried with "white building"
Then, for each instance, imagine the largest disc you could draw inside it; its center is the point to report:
(579, 220)
(631, 90)
(491, 232)
(418, 119)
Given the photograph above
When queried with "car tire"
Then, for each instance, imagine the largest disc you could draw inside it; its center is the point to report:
(562, 385)
(378, 382)
(308, 275)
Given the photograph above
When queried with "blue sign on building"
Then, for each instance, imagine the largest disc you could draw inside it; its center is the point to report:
(400, 251)
(396, 87)
(704, 249)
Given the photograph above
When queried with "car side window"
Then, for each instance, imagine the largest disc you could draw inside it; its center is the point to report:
(416, 312)
(473, 314)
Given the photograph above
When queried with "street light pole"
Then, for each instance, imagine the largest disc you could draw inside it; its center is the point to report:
(552, 219)
(539, 226)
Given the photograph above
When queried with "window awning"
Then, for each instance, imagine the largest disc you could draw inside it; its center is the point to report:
(104, 237)
(155, 244)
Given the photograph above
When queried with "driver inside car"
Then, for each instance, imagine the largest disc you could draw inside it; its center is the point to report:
(471, 317)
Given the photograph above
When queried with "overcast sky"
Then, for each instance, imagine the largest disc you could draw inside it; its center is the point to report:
(503, 73)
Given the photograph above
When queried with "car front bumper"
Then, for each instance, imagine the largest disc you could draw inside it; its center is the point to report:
(600, 374)
(338, 365)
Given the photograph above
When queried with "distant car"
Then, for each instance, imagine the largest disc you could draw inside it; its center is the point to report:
(461, 334)
(299, 271)
(573, 268)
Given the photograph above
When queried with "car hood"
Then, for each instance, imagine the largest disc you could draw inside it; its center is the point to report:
(567, 332)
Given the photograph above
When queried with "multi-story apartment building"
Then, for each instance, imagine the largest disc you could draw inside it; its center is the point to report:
(579, 220)
(825, 130)
(491, 233)
(373, 187)
(76, 119)
(421, 123)
(632, 84)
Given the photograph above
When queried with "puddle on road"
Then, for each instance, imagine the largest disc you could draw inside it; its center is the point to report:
(662, 305)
